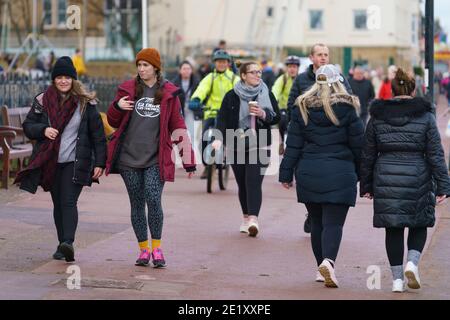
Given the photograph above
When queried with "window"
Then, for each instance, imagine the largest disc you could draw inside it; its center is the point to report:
(270, 12)
(315, 19)
(360, 19)
(62, 11)
(123, 19)
(47, 12)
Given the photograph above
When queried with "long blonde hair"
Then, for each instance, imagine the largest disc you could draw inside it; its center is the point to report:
(324, 92)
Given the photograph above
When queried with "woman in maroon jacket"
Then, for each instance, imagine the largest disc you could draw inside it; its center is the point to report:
(147, 115)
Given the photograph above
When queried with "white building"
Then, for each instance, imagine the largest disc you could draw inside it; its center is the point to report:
(375, 31)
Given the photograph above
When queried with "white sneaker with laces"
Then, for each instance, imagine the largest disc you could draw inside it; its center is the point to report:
(327, 272)
(412, 274)
(398, 286)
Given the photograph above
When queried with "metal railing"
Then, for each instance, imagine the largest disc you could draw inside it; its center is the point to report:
(20, 90)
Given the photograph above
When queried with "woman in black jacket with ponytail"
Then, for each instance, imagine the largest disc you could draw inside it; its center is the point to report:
(403, 170)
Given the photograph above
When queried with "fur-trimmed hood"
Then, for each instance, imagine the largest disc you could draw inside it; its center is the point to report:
(316, 102)
(394, 108)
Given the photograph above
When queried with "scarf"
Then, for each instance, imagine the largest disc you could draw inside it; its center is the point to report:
(47, 155)
(246, 94)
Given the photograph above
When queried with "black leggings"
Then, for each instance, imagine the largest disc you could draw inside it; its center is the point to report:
(249, 179)
(327, 223)
(395, 243)
(65, 196)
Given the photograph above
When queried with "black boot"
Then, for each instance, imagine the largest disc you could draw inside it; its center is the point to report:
(58, 254)
(307, 225)
(67, 250)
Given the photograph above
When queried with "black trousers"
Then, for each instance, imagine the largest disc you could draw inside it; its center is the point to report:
(65, 196)
(327, 223)
(395, 243)
(283, 124)
(249, 178)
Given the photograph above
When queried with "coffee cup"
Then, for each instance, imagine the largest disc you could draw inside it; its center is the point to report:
(252, 104)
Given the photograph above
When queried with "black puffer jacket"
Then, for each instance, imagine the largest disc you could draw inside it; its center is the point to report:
(403, 163)
(90, 147)
(323, 156)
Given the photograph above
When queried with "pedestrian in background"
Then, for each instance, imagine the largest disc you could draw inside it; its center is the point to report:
(324, 143)
(281, 90)
(79, 64)
(70, 149)
(268, 76)
(402, 159)
(146, 112)
(386, 87)
(363, 89)
(188, 82)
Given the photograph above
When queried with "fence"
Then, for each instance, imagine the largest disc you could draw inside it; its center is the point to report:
(19, 90)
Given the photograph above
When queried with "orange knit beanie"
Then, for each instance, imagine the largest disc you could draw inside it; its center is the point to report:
(150, 55)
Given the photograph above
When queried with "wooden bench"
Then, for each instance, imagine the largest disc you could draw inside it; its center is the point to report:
(13, 142)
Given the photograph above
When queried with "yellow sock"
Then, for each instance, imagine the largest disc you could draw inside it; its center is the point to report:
(144, 245)
(156, 244)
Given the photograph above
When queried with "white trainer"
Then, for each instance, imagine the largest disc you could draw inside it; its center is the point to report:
(398, 286)
(412, 274)
(319, 277)
(327, 272)
(253, 227)
(244, 226)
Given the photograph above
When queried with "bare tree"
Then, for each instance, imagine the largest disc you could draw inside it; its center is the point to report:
(132, 37)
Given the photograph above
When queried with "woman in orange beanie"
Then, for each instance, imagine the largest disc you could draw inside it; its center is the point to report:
(147, 115)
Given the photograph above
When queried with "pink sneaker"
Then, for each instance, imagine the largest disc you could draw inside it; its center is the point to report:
(144, 258)
(158, 258)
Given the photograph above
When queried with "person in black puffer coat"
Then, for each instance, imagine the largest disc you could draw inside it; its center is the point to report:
(70, 149)
(325, 140)
(403, 169)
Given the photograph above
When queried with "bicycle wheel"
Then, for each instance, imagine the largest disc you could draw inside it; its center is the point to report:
(224, 173)
(210, 172)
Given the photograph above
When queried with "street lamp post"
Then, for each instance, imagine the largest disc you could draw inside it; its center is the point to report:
(144, 24)
(429, 46)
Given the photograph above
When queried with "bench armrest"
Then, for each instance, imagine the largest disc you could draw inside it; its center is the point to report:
(5, 138)
(15, 129)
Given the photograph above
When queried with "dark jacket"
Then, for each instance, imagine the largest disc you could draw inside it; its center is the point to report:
(325, 157)
(171, 123)
(228, 117)
(90, 148)
(268, 77)
(402, 160)
(305, 81)
(193, 84)
(364, 90)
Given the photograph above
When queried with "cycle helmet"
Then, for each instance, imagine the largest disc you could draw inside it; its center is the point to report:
(221, 55)
(292, 60)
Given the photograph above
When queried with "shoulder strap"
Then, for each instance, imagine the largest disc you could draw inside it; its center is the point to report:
(210, 89)
(284, 82)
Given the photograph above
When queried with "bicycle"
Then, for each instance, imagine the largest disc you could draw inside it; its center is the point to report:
(216, 163)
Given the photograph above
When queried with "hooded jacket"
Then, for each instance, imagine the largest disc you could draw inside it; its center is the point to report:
(324, 157)
(403, 163)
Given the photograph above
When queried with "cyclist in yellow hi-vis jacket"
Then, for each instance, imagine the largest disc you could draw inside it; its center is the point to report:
(281, 90)
(212, 90)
